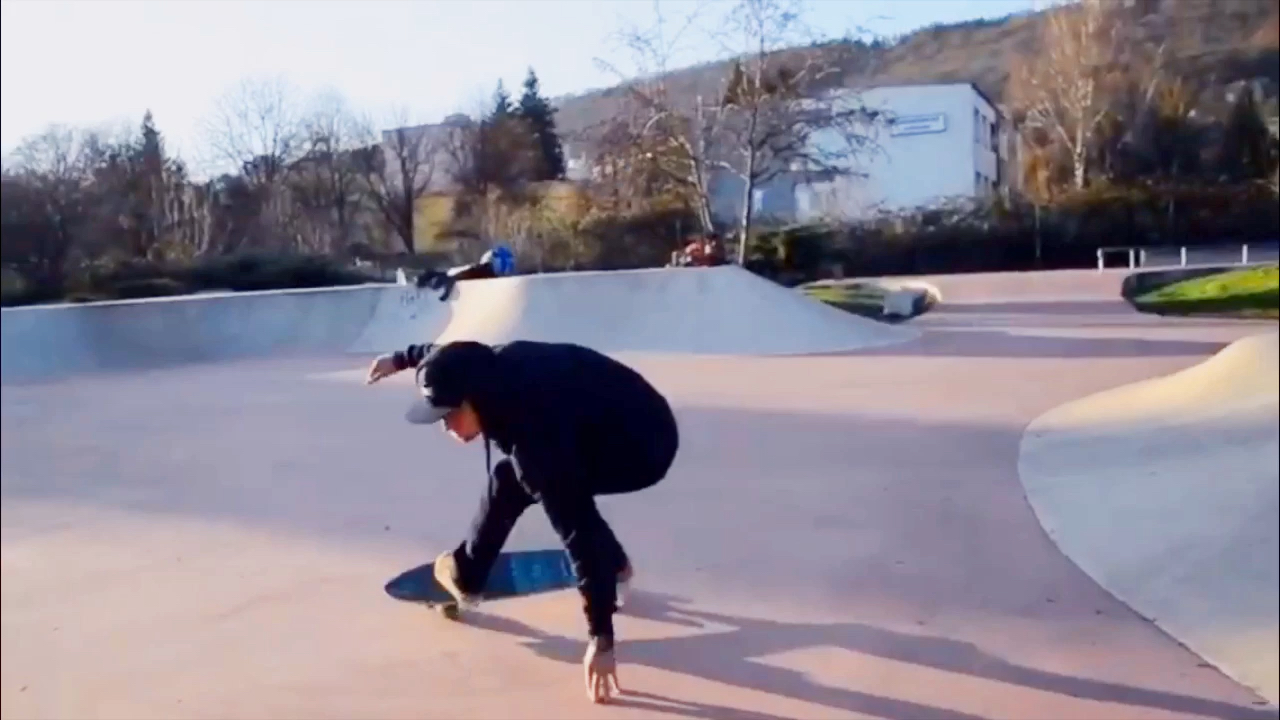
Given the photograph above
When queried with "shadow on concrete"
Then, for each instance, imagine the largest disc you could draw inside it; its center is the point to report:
(941, 341)
(925, 517)
(720, 655)
(335, 462)
(723, 655)
(1076, 308)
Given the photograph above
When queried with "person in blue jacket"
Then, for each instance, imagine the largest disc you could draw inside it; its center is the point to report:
(496, 262)
(574, 424)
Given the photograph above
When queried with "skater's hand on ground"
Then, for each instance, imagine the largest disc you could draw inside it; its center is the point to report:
(383, 366)
(601, 670)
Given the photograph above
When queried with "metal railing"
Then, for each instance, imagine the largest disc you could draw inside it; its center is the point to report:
(1191, 255)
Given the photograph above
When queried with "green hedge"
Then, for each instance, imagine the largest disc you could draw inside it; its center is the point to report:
(1242, 292)
(1006, 235)
(139, 279)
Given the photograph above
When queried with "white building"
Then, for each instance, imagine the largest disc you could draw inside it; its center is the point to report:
(430, 142)
(940, 143)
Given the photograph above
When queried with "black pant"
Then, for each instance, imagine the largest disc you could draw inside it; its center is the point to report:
(506, 500)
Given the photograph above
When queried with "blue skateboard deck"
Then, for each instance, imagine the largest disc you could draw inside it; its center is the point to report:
(514, 574)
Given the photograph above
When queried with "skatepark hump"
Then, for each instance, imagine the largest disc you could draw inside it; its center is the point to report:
(713, 311)
(1165, 493)
(720, 311)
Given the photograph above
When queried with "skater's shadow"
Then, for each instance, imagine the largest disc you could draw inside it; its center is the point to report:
(721, 653)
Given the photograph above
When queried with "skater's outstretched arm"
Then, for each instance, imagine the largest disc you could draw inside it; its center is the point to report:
(474, 271)
(392, 363)
(411, 355)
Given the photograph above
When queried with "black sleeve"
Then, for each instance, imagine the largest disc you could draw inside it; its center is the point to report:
(411, 356)
(474, 271)
(548, 464)
(504, 501)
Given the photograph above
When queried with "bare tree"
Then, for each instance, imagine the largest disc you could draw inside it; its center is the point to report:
(402, 171)
(1067, 86)
(47, 201)
(256, 130)
(330, 180)
(784, 110)
(771, 116)
(638, 168)
(660, 141)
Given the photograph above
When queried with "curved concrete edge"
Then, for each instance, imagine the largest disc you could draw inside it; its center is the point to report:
(47, 342)
(910, 299)
(1143, 281)
(1019, 286)
(703, 311)
(1165, 492)
(716, 311)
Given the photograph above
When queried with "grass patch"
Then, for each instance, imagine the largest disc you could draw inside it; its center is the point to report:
(860, 294)
(1248, 293)
(859, 298)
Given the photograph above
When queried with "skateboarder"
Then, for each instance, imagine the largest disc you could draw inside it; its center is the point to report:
(574, 424)
(494, 263)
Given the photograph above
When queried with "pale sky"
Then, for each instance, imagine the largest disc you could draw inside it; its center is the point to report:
(89, 63)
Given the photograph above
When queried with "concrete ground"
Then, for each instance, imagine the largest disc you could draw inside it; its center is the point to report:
(842, 536)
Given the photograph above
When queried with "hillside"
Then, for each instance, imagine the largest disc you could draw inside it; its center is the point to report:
(1213, 42)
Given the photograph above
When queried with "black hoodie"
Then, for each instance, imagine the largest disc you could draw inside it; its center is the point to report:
(575, 421)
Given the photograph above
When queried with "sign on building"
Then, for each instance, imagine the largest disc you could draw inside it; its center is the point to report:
(918, 124)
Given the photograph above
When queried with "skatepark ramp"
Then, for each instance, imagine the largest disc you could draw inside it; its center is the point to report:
(1044, 286)
(723, 310)
(55, 340)
(1165, 492)
(713, 311)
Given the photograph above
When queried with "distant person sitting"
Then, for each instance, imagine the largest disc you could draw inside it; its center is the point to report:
(713, 250)
(703, 251)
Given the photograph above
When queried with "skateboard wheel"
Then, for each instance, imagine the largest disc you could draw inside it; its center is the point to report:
(450, 611)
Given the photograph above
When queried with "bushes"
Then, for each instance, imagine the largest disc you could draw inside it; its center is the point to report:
(1249, 292)
(639, 240)
(1003, 235)
(975, 237)
(792, 253)
(270, 272)
(134, 279)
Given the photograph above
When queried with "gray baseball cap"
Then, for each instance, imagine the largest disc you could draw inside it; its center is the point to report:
(444, 379)
(425, 412)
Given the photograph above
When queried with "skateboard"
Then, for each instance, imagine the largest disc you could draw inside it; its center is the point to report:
(514, 574)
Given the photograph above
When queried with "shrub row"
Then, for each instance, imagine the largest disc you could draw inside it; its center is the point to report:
(135, 279)
(1001, 235)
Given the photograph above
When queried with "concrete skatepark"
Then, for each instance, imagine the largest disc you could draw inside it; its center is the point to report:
(1030, 502)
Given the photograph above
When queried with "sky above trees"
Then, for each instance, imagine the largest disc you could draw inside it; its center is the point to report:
(90, 64)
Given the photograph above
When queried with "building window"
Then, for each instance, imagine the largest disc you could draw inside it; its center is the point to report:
(977, 126)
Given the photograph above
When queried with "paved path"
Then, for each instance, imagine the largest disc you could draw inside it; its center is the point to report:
(842, 536)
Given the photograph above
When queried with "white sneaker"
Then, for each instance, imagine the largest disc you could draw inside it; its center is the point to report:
(446, 573)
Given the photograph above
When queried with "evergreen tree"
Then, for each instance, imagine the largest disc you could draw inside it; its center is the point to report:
(1244, 149)
(502, 108)
(539, 117)
(151, 145)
